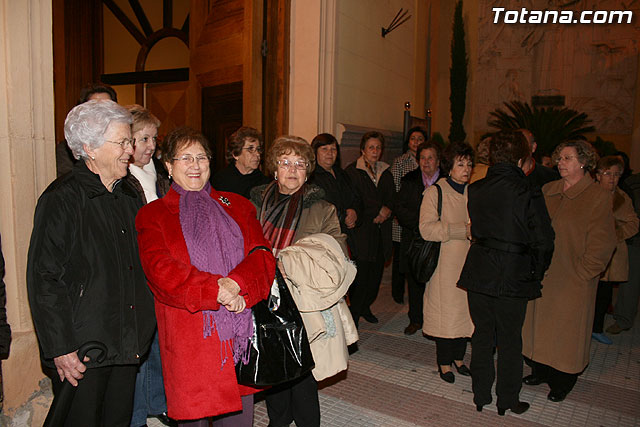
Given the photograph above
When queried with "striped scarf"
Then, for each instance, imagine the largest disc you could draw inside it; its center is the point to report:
(279, 216)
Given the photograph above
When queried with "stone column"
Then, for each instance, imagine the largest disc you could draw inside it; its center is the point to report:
(27, 166)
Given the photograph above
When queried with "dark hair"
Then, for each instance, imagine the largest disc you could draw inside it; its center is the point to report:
(608, 162)
(426, 145)
(179, 138)
(371, 135)
(325, 139)
(94, 88)
(420, 129)
(237, 140)
(508, 146)
(453, 151)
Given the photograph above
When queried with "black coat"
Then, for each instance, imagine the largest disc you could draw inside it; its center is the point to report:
(540, 175)
(368, 237)
(407, 209)
(339, 191)
(5, 330)
(84, 277)
(230, 179)
(513, 237)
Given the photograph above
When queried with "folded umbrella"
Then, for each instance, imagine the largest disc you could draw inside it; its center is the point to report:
(62, 401)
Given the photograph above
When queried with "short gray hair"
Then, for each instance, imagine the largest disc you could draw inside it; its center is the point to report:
(87, 123)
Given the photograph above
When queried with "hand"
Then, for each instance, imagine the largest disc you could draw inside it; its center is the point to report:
(469, 231)
(228, 290)
(70, 367)
(350, 218)
(237, 305)
(385, 212)
(379, 219)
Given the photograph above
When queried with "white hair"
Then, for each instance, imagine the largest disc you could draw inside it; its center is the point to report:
(88, 122)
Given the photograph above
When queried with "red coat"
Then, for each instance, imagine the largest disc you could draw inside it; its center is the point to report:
(196, 386)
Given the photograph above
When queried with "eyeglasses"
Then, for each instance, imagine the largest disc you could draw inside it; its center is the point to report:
(146, 139)
(298, 164)
(612, 174)
(189, 159)
(565, 158)
(124, 143)
(254, 150)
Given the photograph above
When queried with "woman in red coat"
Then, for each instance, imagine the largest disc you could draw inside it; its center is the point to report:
(194, 247)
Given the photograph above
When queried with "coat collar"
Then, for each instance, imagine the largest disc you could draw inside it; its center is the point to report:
(380, 168)
(312, 194)
(94, 186)
(505, 169)
(172, 200)
(556, 187)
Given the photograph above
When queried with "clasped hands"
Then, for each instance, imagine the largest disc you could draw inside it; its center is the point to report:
(228, 295)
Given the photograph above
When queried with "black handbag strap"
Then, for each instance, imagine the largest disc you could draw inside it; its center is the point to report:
(260, 247)
(439, 200)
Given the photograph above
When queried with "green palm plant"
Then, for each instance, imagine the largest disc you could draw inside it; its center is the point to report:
(550, 126)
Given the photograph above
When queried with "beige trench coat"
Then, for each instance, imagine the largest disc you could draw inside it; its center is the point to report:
(626, 226)
(557, 327)
(446, 311)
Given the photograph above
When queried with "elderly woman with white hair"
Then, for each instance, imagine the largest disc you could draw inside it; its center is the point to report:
(84, 278)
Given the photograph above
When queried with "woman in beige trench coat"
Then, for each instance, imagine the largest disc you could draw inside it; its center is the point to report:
(557, 329)
(608, 174)
(446, 311)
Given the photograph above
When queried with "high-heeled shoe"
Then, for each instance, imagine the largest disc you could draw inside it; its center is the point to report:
(447, 376)
(518, 408)
(462, 369)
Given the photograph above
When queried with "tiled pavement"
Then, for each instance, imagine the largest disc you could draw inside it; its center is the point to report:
(393, 381)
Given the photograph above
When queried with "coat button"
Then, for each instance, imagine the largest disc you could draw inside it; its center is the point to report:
(132, 307)
(123, 231)
(137, 356)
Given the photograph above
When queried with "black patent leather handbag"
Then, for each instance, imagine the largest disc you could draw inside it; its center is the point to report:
(280, 350)
(423, 255)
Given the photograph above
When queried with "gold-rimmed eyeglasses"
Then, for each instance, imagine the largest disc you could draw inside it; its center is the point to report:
(189, 159)
(124, 143)
(298, 164)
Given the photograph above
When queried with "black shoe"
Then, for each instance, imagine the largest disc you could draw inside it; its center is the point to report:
(533, 380)
(557, 395)
(447, 377)
(398, 299)
(518, 408)
(463, 370)
(412, 328)
(370, 318)
(352, 348)
(479, 408)
(164, 419)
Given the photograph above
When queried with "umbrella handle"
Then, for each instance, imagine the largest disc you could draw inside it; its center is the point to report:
(62, 402)
(93, 345)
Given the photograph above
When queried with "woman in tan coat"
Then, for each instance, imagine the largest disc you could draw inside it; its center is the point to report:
(557, 330)
(289, 209)
(608, 174)
(446, 312)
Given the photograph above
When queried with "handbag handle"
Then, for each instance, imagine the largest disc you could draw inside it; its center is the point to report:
(439, 199)
(259, 247)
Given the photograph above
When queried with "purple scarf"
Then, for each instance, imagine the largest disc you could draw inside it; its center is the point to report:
(215, 244)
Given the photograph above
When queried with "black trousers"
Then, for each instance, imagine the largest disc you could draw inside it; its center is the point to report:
(397, 275)
(416, 296)
(366, 285)
(104, 397)
(557, 380)
(603, 299)
(450, 349)
(501, 318)
(294, 401)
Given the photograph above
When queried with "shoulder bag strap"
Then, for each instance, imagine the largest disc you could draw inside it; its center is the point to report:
(439, 199)
(262, 248)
